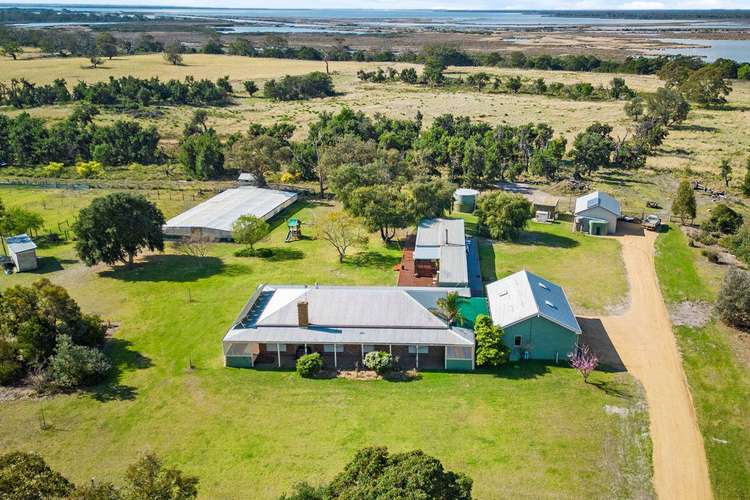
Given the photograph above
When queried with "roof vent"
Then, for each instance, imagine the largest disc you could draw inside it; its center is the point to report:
(503, 293)
(543, 286)
(550, 304)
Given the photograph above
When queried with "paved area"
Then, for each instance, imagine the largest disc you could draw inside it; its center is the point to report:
(644, 341)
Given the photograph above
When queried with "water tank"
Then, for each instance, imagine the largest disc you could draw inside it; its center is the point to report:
(465, 199)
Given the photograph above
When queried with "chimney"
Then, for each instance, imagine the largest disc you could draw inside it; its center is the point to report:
(303, 314)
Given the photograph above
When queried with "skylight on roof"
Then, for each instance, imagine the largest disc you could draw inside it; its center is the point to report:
(550, 304)
(542, 285)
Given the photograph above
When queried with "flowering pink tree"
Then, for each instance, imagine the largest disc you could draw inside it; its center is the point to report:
(584, 361)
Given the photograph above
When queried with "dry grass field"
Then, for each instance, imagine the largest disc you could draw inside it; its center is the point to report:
(707, 137)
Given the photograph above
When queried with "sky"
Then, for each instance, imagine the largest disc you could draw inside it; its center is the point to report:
(429, 4)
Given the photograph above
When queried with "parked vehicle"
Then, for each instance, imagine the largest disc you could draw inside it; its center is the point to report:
(651, 222)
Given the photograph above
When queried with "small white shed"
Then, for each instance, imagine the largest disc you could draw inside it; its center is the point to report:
(597, 206)
(22, 251)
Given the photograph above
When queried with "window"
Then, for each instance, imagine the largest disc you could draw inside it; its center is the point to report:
(517, 340)
(329, 347)
(423, 349)
(272, 347)
(368, 348)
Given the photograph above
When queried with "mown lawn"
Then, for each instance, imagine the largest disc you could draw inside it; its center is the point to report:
(590, 269)
(527, 431)
(719, 380)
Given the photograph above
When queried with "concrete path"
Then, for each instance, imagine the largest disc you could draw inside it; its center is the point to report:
(645, 342)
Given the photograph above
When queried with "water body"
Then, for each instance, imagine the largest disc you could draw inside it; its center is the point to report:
(710, 50)
(398, 18)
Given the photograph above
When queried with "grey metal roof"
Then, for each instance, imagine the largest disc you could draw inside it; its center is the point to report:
(439, 232)
(348, 315)
(20, 243)
(525, 295)
(597, 199)
(444, 240)
(221, 211)
(454, 267)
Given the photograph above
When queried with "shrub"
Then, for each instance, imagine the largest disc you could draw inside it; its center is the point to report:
(89, 168)
(10, 365)
(73, 365)
(202, 155)
(723, 220)
(250, 87)
(379, 361)
(733, 304)
(739, 244)
(53, 169)
(491, 351)
(298, 87)
(706, 238)
(310, 365)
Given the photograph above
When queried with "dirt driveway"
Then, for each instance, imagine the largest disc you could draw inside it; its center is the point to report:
(645, 342)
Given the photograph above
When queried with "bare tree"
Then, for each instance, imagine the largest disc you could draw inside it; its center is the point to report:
(341, 230)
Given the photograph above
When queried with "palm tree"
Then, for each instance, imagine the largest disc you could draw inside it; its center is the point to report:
(449, 308)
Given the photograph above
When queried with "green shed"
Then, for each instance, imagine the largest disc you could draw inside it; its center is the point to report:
(598, 227)
(535, 315)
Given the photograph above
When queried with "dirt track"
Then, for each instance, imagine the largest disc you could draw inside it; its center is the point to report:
(644, 340)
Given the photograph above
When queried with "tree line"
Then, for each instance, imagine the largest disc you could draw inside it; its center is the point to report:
(126, 91)
(27, 141)
(434, 75)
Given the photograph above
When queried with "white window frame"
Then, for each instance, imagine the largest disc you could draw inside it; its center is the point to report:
(329, 347)
(423, 349)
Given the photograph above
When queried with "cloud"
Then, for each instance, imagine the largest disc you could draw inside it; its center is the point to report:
(643, 5)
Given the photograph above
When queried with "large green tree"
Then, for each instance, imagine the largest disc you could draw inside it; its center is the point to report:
(202, 155)
(259, 155)
(249, 230)
(116, 227)
(684, 205)
(592, 149)
(149, 479)
(668, 106)
(706, 86)
(502, 215)
(374, 473)
(26, 476)
(383, 208)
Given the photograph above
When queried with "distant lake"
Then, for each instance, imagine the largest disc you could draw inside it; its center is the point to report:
(398, 18)
(710, 50)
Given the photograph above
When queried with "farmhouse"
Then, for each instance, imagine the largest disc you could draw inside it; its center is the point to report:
(343, 323)
(536, 318)
(214, 217)
(597, 213)
(22, 251)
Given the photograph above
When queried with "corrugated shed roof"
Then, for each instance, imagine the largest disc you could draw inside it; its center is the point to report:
(444, 240)
(348, 314)
(439, 232)
(221, 211)
(524, 295)
(597, 199)
(453, 265)
(20, 243)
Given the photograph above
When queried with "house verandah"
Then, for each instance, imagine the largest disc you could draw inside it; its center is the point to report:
(348, 356)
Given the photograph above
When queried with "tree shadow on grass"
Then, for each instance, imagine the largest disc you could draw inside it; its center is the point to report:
(123, 359)
(612, 388)
(540, 238)
(372, 259)
(283, 254)
(176, 268)
(519, 370)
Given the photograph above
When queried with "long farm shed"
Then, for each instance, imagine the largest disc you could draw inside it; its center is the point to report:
(214, 217)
